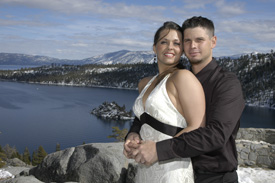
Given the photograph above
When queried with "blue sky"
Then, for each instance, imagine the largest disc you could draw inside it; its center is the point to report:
(78, 29)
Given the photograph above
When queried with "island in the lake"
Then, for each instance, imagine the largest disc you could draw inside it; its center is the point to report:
(112, 111)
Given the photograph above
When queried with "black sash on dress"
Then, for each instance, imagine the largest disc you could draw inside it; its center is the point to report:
(159, 126)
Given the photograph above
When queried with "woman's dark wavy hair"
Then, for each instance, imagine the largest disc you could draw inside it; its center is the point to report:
(199, 21)
(169, 25)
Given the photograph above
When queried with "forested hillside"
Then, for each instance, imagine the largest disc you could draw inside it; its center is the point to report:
(118, 75)
(257, 75)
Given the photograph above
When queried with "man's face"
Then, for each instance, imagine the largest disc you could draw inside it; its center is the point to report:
(198, 45)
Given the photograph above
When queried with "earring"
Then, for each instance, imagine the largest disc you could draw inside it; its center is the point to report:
(155, 59)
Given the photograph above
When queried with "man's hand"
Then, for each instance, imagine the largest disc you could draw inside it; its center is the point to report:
(132, 142)
(146, 153)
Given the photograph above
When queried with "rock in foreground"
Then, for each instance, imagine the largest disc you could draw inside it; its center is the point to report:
(90, 163)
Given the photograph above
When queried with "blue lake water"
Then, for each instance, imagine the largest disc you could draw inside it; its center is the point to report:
(33, 115)
(15, 67)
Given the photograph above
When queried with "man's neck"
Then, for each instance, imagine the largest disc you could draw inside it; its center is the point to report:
(196, 68)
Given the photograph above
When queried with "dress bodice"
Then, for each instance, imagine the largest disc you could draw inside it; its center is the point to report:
(159, 105)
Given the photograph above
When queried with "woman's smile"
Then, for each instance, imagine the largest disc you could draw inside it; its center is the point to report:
(169, 55)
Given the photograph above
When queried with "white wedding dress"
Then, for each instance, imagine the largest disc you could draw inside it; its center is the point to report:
(159, 106)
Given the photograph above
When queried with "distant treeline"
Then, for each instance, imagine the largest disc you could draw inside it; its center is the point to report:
(8, 152)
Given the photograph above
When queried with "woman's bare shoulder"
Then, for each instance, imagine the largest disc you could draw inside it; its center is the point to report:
(182, 75)
(143, 82)
(185, 81)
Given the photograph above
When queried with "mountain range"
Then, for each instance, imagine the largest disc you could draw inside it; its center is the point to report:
(119, 57)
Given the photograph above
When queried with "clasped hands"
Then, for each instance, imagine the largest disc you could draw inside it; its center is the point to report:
(141, 151)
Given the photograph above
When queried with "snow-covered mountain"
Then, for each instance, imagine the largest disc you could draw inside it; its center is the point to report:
(118, 57)
(24, 59)
(122, 57)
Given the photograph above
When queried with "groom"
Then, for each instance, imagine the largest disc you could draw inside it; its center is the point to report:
(212, 148)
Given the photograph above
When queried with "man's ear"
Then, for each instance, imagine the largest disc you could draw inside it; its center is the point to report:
(213, 42)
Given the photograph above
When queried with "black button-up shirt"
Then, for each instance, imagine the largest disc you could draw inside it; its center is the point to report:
(212, 148)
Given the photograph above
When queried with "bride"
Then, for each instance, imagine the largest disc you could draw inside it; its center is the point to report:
(175, 98)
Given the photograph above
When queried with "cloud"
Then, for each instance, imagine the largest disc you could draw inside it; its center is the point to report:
(262, 30)
(213, 7)
(197, 4)
(80, 45)
(230, 45)
(245, 36)
(77, 29)
(31, 23)
(131, 43)
(93, 8)
(230, 9)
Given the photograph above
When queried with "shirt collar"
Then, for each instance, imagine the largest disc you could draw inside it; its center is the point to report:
(204, 73)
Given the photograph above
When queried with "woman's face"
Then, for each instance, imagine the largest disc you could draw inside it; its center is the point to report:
(169, 48)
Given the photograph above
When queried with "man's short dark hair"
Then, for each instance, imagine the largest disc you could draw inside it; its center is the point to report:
(198, 21)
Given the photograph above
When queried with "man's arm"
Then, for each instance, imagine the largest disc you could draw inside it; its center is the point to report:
(132, 139)
(135, 128)
(225, 110)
